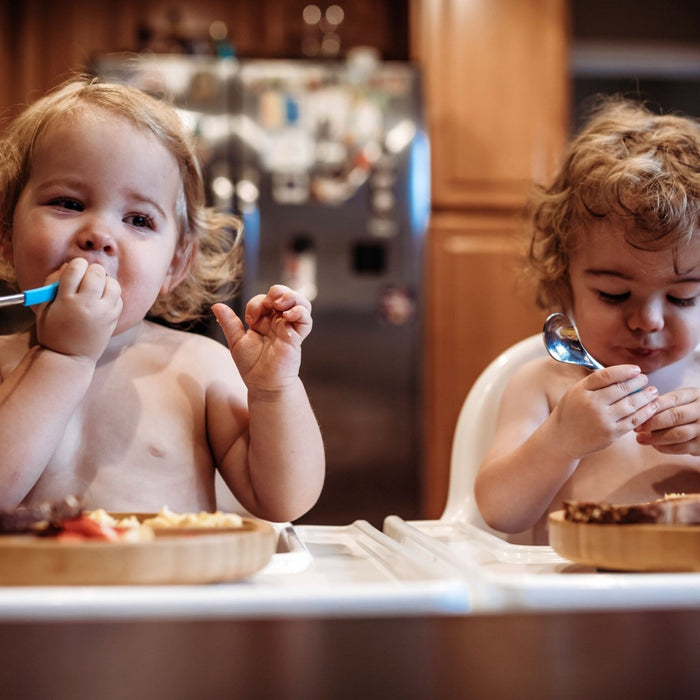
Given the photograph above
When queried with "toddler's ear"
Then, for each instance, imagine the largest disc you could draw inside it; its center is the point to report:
(179, 265)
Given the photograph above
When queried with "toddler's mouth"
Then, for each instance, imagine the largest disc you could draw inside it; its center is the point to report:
(644, 352)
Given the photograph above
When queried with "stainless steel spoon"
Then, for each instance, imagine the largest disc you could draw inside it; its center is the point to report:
(563, 344)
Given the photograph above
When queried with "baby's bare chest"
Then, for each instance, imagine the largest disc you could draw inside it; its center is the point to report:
(135, 438)
(153, 412)
(627, 472)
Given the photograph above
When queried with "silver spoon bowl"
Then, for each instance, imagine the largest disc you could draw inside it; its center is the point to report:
(563, 344)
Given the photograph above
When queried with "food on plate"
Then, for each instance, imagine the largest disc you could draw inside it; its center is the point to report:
(672, 509)
(104, 525)
(167, 518)
(45, 517)
(66, 521)
(84, 527)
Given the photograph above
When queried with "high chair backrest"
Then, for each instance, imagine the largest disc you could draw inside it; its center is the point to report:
(475, 428)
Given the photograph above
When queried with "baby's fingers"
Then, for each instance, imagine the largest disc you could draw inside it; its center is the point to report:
(283, 298)
(299, 316)
(94, 282)
(113, 290)
(257, 308)
(681, 439)
(230, 323)
(617, 381)
(72, 274)
(678, 407)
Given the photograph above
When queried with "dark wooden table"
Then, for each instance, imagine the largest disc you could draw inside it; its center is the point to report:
(622, 655)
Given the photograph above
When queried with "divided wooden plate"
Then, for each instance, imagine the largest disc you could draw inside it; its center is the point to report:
(626, 547)
(173, 557)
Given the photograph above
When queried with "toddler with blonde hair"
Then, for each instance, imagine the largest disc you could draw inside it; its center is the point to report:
(101, 191)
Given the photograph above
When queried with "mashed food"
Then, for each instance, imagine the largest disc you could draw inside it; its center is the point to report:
(166, 518)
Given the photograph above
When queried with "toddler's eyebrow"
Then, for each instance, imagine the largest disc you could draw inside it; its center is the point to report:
(147, 200)
(602, 272)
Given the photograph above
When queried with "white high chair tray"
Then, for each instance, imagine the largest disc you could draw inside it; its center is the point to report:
(317, 570)
(503, 576)
(507, 577)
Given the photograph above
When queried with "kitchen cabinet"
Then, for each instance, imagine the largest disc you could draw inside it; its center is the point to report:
(43, 41)
(496, 88)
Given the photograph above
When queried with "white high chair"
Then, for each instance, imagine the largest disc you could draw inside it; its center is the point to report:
(507, 572)
(474, 430)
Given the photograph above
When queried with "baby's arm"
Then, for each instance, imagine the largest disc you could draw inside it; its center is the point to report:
(675, 427)
(535, 451)
(278, 472)
(41, 394)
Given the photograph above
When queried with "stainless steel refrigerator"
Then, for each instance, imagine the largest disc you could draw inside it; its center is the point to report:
(328, 165)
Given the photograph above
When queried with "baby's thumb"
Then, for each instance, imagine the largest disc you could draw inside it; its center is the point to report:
(230, 324)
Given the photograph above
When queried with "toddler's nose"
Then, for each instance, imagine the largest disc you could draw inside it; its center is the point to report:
(95, 240)
(647, 317)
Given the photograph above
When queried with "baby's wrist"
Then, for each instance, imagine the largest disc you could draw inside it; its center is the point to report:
(77, 360)
(272, 393)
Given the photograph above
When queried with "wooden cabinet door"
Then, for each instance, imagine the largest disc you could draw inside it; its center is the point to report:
(496, 94)
(477, 307)
(496, 89)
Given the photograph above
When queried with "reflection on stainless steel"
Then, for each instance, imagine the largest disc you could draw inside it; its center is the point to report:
(328, 164)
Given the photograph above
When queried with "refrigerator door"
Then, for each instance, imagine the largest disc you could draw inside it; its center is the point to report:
(328, 164)
(341, 170)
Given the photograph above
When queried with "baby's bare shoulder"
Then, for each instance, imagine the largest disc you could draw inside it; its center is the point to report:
(174, 338)
(544, 378)
(185, 348)
(544, 371)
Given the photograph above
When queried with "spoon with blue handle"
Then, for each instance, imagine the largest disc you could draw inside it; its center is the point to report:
(563, 344)
(31, 296)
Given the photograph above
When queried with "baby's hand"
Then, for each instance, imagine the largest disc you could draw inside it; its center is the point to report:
(675, 427)
(601, 408)
(268, 354)
(83, 316)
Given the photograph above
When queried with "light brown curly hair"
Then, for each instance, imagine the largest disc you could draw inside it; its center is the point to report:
(209, 240)
(627, 163)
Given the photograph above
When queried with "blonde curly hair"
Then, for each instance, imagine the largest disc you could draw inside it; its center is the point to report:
(208, 240)
(628, 163)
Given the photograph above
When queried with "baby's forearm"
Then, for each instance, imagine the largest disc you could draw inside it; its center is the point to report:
(285, 453)
(514, 489)
(36, 402)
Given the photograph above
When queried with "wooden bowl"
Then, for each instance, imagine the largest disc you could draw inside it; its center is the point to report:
(194, 556)
(642, 547)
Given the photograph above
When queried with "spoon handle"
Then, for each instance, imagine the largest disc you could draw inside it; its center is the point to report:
(31, 296)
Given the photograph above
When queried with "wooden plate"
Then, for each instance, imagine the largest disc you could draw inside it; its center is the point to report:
(187, 558)
(626, 547)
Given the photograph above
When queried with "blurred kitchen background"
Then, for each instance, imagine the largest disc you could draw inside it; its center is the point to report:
(379, 152)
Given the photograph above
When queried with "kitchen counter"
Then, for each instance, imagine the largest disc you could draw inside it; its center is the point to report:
(624, 654)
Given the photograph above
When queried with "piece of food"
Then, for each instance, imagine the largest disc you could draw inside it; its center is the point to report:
(67, 521)
(166, 518)
(673, 509)
(85, 528)
(45, 517)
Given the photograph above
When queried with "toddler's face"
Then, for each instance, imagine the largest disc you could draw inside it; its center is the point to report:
(631, 306)
(101, 190)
